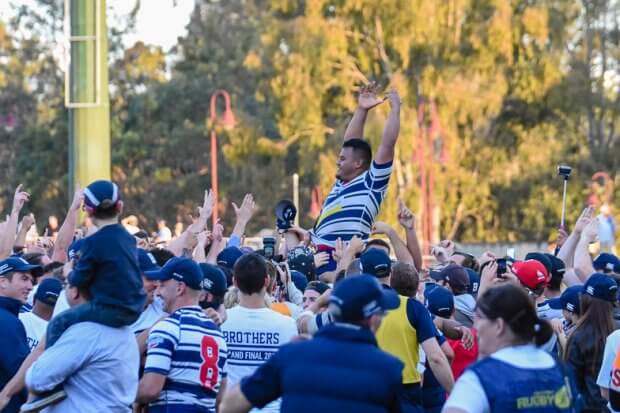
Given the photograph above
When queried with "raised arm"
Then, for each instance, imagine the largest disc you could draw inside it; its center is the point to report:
(27, 223)
(67, 230)
(244, 213)
(400, 249)
(567, 251)
(406, 219)
(185, 240)
(385, 153)
(367, 100)
(7, 238)
(583, 261)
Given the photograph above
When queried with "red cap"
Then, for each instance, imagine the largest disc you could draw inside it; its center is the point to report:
(531, 273)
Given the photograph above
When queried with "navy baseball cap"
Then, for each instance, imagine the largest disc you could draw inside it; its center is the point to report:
(16, 264)
(180, 269)
(318, 286)
(606, 262)
(569, 300)
(229, 256)
(100, 191)
(147, 261)
(541, 258)
(214, 279)
(300, 280)
(601, 286)
(75, 248)
(456, 277)
(474, 281)
(48, 291)
(301, 259)
(358, 298)
(439, 301)
(375, 262)
(558, 268)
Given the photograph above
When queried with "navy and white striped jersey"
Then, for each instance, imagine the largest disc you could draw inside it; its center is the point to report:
(350, 208)
(189, 349)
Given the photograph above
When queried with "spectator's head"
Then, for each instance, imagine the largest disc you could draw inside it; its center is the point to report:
(16, 278)
(362, 301)
(147, 263)
(607, 263)
(214, 285)
(300, 280)
(568, 302)
(596, 305)
(465, 260)
(161, 224)
(532, 275)
(75, 296)
(250, 275)
(301, 259)
(313, 291)
(377, 263)
(38, 259)
(180, 283)
(556, 274)
(102, 200)
(455, 278)
(355, 158)
(543, 259)
(228, 257)
(506, 316)
(474, 281)
(52, 223)
(404, 279)
(439, 301)
(47, 294)
(161, 255)
(378, 243)
(354, 268)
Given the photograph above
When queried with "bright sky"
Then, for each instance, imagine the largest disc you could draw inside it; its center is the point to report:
(159, 22)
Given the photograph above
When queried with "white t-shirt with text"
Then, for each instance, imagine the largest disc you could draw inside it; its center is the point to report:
(35, 328)
(252, 337)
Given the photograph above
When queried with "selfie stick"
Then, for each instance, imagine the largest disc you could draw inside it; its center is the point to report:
(564, 202)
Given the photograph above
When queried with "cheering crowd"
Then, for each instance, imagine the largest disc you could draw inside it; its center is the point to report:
(330, 319)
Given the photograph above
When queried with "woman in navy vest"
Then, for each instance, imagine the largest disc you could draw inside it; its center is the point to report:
(512, 375)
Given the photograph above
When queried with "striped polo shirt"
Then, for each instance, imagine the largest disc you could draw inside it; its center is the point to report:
(351, 207)
(189, 349)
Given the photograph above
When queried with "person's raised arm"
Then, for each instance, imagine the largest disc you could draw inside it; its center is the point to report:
(218, 243)
(244, 213)
(27, 223)
(183, 242)
(367, 100)
(385, 154)
(7, 238)
(438, 363)
(406, 219)
(567, 251)
(67, 230)
(203, 242)
(583, 261)
(400, 249)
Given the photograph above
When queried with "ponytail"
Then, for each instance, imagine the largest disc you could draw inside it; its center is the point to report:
(542, 332)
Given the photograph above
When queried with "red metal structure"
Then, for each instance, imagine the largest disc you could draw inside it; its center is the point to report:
(430, 149)
(228, 122)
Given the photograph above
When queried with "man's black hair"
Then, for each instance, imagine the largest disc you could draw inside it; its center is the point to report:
(106, 210)
(361, 149)
(161, 255)
(249, 273)
(378, 242)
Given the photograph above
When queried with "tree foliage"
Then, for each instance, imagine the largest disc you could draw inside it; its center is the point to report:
(518, 87)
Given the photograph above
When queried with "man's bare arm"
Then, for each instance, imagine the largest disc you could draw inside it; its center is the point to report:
(391, 131)
(367, 100)
(67, 230)
(7, 238)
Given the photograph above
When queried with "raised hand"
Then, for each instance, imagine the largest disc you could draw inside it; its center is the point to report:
(20, 198)
(78, 197)
(590, 231)
(356, 245)
(247, 208)
(368, 97)
(28, 221)
(320, 259)
(338, 250)
(406, 218)
(207, 206)
(380, 228)
(584, 219)
(218, 232)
